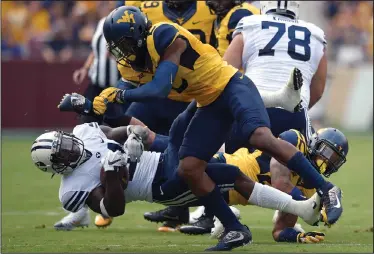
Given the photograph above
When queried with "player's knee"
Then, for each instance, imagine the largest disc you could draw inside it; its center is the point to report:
(262, 138)
(191, 168)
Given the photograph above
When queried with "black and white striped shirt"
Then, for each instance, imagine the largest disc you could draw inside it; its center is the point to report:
(103, 71)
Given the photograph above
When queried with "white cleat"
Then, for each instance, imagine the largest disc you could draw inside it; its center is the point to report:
(195, 215)
(219, 229)
(74, 220)
(291, 93)
(312, 213)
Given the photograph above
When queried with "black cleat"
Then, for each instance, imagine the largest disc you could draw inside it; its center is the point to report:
(171, 213)
(233, 239)
(203, 225)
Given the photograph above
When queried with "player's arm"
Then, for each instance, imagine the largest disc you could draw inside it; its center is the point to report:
(234, 52)
(318, 82)
(170, 47)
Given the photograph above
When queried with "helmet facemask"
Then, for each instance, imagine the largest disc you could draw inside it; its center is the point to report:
(66, 152)
(326, 157)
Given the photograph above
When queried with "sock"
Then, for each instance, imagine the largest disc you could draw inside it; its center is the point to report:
(299, 164)
(296, 194)
(268, 197)
(159, 144)
(214, 202)
(288, 235)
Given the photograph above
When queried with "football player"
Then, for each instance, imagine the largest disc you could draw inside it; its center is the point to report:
(197, 18)
(278, 40)
(229, 13)
(222, 93)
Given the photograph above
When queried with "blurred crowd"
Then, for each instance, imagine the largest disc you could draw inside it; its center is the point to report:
(54, 31)
(58, 31)
(350, 31)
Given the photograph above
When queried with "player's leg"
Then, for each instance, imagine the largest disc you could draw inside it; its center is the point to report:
(249, 110)
(204, 136)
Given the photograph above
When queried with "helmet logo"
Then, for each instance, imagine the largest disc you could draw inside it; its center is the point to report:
(126, 18)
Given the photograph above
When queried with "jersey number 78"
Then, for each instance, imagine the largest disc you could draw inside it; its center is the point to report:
(292, 43)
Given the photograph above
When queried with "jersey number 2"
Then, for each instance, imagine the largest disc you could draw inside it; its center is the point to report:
(293, 42)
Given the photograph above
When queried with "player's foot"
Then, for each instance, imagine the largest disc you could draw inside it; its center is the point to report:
(291, 93)
(170, 226)
(312, 212)
(203, 225)
(170, 213)
(195, 215)
(218, 229)
(233, 239)
(332, 205)
(102, 222)
(74, 220)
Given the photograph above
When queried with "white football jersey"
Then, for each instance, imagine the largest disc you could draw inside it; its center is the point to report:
(76, 186)
(274, 45)
(140, 187)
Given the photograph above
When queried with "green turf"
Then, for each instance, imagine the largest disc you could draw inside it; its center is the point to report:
(30, 207)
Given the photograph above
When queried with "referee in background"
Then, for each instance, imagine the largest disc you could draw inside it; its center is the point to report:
(101, 69)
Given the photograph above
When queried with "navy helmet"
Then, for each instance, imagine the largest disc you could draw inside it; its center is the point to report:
(222, 7)
(125, 30)
(328, 149)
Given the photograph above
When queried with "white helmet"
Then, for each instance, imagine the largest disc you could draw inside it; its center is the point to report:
(285, 8)
(57, 152)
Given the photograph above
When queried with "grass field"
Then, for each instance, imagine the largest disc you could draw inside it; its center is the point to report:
(30, 207)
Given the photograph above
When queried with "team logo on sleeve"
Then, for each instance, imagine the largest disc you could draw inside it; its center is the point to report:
(127, 18)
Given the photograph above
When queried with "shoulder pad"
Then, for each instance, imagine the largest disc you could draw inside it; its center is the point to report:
(245, 23)
(163, 36)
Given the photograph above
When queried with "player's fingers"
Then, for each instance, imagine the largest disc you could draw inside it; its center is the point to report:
(311, 239)
(320, 238)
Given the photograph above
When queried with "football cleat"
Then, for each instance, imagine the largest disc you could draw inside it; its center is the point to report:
(102, 222)
(233, 239)
(169, 226)
(291, 93)
(74, 220)
(332, 206)
(203, 225)
(218, 229)
(171, 213)
(195, 215)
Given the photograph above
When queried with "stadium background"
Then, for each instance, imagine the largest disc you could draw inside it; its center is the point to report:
(43, 42)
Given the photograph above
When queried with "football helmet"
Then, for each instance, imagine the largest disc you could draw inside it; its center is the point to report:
(222, 7)
(179, 5)
(125, 30)
(57, 152)
(289, 9)
(327, 150)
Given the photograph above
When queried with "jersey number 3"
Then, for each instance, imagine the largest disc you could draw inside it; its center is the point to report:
(293, 42)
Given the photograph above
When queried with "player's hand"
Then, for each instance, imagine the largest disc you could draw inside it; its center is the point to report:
(134, 147)
(106, 96)
(310, 237)
(140, 131)
(79, 75)
(114, 160)
(74, 102)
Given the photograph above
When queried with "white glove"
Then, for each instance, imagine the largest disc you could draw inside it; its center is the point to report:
(134, 147)
(114, 160)
(140, 131)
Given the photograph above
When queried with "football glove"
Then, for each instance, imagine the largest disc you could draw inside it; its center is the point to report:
(134, 147)
(310, 237)
(114, 160)
(140, 131)
(108, 95)
(75, 103)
